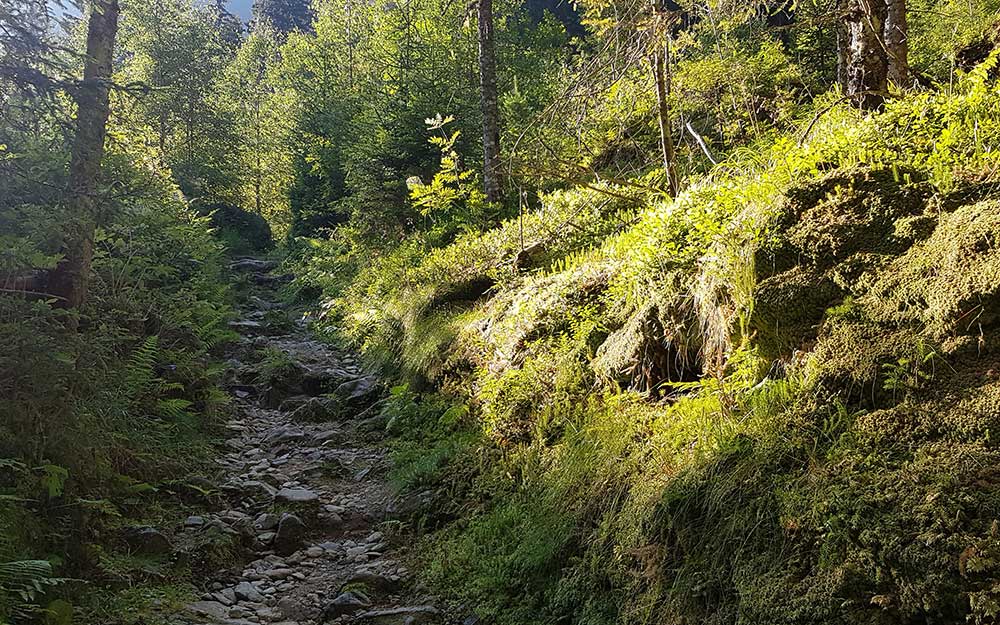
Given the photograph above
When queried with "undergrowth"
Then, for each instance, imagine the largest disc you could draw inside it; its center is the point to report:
(772, 399)
(96, 425)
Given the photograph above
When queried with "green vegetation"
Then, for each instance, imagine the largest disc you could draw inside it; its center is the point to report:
(725, 350)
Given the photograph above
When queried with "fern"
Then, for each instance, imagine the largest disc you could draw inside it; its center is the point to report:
(140, 374)
(174, 409)
(24, 582)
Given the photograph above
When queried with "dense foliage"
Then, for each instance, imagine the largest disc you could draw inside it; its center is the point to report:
(767, 397)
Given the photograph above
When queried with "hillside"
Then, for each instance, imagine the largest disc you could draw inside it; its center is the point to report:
(771, 400)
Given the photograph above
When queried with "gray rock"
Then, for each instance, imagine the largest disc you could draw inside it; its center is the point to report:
(266, 537)
(296, 495)
(314, 552)
(296, 609)
(328, 436)
(323, 381)
(211, 609)
(263, 304)
(147, 540)
(288, 538)
(268, 614)
(252, 328)
(353, 552)
(250, 489)
(266, 521)
(279, 573)
(194, 521)
(359, 390)
(248, 592)
(222, 598)
(345, 603)
(413, 615)
(284, 434)
(375, 581)
(292, 403)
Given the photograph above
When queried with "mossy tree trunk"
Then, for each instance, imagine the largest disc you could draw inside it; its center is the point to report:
(866, 62)
(69, 280)
(488, 98)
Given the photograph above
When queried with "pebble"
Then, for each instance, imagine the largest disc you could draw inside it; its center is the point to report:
(315, 552)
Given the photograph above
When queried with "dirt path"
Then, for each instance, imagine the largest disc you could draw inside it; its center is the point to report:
(304, 485)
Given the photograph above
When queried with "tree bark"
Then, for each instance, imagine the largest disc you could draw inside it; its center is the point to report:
(663, 116)
(661, 77)
(867, 61)
(491, 109)
(70, 278)
(897, 47)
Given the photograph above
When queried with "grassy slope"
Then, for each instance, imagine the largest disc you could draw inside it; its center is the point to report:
(773, 400)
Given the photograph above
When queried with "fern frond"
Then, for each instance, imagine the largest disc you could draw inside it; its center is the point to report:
(140, 372)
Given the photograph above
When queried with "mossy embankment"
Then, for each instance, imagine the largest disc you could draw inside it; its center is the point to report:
(772, 400)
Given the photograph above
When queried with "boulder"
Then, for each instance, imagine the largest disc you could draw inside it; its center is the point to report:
(147, 541)
(288, 538)
(359, 391)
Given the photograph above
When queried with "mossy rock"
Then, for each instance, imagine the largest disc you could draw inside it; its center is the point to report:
(852, 354)
(659, 344)
(788, 307)
(828, 220)
(950, 282)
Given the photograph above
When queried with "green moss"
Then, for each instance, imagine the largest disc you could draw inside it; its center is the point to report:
(788, 308)
(951, 282)
(825, 221)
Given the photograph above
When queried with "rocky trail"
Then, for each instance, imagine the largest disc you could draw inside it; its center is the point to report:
(302, 486)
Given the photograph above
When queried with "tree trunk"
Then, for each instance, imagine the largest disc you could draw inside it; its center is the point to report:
(867, 61)
(69, 280)
(896, 35)
(842, 53)
(663, 114)
(661, 77)
(491, 110)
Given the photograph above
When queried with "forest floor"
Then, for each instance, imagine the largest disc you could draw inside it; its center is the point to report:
(303, 486)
